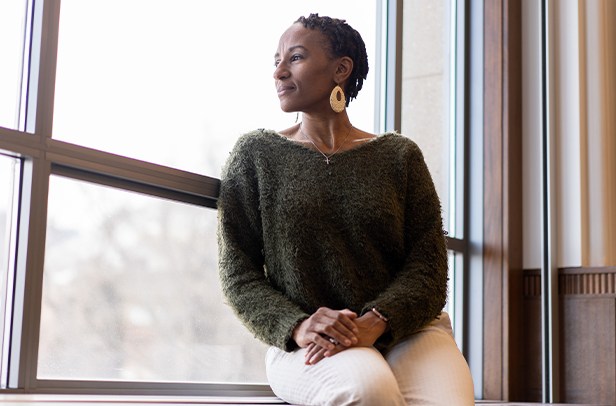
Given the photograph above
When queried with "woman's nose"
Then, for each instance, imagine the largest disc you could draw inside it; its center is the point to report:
(281, 72)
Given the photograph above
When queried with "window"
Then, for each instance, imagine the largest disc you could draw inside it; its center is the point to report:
(120, 136)
(131, 293)
(12, 39)
(432, 116)
(150, 83)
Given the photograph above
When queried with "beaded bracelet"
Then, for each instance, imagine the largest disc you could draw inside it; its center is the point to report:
(379, 315)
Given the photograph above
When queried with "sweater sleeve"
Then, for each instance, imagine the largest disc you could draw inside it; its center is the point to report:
(418, 291)
(265, 311)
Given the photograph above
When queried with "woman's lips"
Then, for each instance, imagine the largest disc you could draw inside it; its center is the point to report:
(282, 90)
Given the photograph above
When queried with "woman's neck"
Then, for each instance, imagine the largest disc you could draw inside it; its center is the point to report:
(327, 132)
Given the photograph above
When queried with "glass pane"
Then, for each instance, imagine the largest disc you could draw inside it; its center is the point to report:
(176, 82)
(426, 90)
(131, 292)
(9, 171)
(455, 294)
(12, 23)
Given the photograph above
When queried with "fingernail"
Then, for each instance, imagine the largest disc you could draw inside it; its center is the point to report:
(347, 342)
(354, 340)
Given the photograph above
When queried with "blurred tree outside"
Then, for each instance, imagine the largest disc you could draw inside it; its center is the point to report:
(131, 292)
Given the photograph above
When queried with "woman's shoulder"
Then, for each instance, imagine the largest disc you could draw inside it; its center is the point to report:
(397, 143)
(259, 142)
(251, 148)
(395, 150)
(258, 138)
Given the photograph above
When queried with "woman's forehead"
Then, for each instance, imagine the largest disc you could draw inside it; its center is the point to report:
(298, 35)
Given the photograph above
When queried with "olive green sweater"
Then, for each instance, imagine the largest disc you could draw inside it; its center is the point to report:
(296, 234)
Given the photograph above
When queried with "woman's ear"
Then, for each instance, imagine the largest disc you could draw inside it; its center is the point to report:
(344, 69)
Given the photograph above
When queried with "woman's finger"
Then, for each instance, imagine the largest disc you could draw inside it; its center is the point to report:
(344, 317)
(311, 350)
(336, 350)
(351, 315)
(322, 341)
(310, 331)
(317, 355)
(337, 325)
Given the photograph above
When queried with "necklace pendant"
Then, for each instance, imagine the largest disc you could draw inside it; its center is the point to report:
(317, 148)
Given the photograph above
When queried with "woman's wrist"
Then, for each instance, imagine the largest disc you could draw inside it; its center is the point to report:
(296, 331)
(376, 323)
(382, 318)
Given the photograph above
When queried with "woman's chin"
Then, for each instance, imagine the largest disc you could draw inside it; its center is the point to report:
(287, 109)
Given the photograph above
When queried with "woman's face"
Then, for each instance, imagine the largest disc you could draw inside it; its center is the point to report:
(304, 72)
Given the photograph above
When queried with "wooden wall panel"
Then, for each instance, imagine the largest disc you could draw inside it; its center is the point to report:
(502, 247)
(587, 335)
(531, 354)
(587, 349)
(512, 201)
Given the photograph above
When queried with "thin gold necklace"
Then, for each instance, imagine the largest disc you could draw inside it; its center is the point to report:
(327, 157)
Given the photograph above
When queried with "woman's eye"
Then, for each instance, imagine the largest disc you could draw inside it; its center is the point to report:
(293, 58)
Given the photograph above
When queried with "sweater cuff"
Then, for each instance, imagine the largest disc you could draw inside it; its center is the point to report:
(288, 325)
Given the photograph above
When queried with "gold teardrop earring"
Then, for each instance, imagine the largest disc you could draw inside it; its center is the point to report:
(337, 100)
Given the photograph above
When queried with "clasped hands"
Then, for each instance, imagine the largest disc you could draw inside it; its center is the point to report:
(342, 326)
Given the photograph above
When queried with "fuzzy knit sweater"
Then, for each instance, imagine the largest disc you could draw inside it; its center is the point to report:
(296, 234)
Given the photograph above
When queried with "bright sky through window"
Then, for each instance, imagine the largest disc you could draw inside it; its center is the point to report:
(12, 14)
(177, 83)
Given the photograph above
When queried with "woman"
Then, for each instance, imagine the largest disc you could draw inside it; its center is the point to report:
(331, 242)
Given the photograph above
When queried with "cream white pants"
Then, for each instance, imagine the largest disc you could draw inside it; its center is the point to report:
(425, 369)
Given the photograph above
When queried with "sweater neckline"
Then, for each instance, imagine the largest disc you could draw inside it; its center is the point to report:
(363, 145)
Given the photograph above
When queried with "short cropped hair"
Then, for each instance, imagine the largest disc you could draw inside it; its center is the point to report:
(343, 41)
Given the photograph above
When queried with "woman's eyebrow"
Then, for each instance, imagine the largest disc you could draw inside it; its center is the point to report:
(294, 47)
